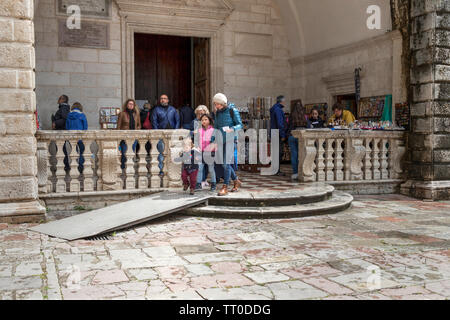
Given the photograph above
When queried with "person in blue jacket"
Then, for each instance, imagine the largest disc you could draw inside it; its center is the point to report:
(228, 122)
(76, 120)
(164, 116)
(278, 121)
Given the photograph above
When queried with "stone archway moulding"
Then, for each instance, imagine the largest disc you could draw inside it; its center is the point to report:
(192, 20)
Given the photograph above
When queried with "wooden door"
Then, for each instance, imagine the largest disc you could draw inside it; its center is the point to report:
(201, 72)
(163, 66)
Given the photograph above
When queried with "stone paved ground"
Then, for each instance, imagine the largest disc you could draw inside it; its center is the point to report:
(327, 257)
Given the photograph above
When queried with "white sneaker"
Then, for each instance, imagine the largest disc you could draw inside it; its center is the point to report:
(294, 177)
(205, 185)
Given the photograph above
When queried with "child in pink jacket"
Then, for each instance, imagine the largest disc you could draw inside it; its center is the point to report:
(206, 147)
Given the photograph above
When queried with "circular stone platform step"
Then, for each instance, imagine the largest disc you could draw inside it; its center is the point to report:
(339, 201)
(302, 194)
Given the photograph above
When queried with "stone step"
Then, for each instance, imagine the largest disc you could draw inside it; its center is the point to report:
(338, 202)
(302, 194)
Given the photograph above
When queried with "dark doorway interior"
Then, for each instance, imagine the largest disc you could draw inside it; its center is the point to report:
(172, 65)
(349, 102)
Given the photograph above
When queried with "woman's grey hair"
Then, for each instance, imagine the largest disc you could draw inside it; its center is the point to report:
(201, 108)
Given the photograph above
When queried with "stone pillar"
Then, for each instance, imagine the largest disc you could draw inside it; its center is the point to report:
(429, 140)
(18, 147)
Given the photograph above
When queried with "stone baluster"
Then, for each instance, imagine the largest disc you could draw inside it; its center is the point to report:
(384, 160)
(354, 154)
(43, 165)
(397, 150)
(130, 172)
(88, 171)
(367, 159)
(307, 155)
(339, 161)
(60, 172)
(142, 170)
(175, 147)
(320, 160)
(74, 172)
(329, 163)
(50, 185)
(110, 166)
(376, 175)
(97, 161)
(155, 180)
(166, 155)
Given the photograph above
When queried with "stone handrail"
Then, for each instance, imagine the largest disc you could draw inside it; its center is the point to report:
(350, 155)
(61, 168)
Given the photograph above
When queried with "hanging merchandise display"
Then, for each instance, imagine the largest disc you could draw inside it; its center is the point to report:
(357, 85)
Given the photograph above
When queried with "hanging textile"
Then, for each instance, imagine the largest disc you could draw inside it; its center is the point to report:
(387, 111)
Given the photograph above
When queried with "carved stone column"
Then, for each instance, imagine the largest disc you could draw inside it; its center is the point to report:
(429, 139)
(18, 174)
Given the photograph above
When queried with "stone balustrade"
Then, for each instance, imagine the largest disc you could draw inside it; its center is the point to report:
(350, 155)
(77, 162)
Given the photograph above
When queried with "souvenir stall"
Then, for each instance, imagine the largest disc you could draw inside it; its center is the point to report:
(109, 118)
(256, 116)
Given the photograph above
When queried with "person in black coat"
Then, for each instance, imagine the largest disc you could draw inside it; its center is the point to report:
(146, 112)
(60, 117)
(314, 121)
(187, 115)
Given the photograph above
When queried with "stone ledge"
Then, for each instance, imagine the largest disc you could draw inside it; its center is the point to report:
(93, 200)
(368, 187)
(22, 212)
(431, 190)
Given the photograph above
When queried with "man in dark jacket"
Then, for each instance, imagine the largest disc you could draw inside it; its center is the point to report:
(164, 116)
(187, 115)
(278, 121)
(60, 117)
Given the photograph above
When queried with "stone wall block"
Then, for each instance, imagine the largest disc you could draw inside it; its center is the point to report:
(442, 155)
(8, 79)
(18, 145)
(23, 31)
(442, 125)
(14, 55)
(22, 9)
(441, 108)
(13, 166)
(429, 56)
(6, 30)
(22, 101)
(420, 7)
(26, 79)
(441, 141)
(18, 189)
(442, 172)
(17, 124)
(422, 125)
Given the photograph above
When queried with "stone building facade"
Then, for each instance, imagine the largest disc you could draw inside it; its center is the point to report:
(258, 48)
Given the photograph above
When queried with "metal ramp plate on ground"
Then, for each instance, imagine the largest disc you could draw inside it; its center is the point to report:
(120, 216)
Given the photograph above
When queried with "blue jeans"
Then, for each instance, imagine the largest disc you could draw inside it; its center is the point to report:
(228, 169)
(293, 146)
(201, 169)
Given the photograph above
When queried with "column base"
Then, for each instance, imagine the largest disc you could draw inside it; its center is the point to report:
(429, 190)
(22, 212)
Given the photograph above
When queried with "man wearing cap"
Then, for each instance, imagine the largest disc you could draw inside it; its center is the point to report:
(228, 122)
(278, 122)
